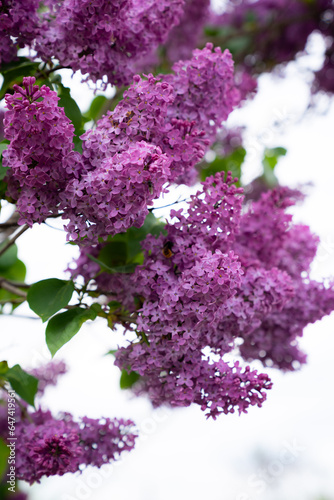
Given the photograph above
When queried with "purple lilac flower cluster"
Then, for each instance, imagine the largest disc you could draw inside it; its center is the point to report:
(180, 113)
(204, 89)
(50, 446)
(19, 24)
(268, 238)
(156, 134)
(54, 446)
(189, 299)
(106, 38)
(187, 34)
(116, 194)
(276, 31)
(190, 33)
(48, 374)
(40, 154)
(221, 280)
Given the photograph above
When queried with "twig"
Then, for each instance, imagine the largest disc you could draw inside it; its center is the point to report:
(165, 206)
(11, 288)
(5, 225)
(12, 241)
(21, 316)
(12, 301)
(18, 284)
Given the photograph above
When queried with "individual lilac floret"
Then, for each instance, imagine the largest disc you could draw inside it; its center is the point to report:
(40, 154)
(114, 196)
(19, 25)
(104, 38)
(48, 374)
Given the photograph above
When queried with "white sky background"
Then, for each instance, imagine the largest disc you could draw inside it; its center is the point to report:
(180, 454)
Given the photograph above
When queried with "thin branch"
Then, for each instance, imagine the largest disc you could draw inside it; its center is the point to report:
(12, 301)
(6, 225)
(11, 288)
(18, 284)
(20, 316)
(53, 227)
(12, 241)
(169, 205)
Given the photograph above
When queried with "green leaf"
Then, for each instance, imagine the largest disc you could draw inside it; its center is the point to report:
(3, 171)
(113, 305)
(114, 253)
(127, 380)
(24, 385)
(230, 163)
(269, 162)
(112, 352)
(17, 272)
(3, 186)
(123, 251)
(71, 108)
(3, 147)
(96, 107)
(135, 235)
(239, 44)
(47, 297)
(9, 257)
(4, 454)
(15, 71)
(3, 367)
(271, 157)
(62, 327)
(128, 268)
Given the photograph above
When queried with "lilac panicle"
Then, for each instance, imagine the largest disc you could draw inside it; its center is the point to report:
(48, 374)
(156, 134)
(184, 37)
(19, 25)
(106, 39)
(115, 195)
(226, 275)
(40, 154)
(51, 446)
(292, 22)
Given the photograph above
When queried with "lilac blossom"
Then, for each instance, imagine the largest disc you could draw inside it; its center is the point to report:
(115, 195)
(52, 446)
(48, 374)
(276, 32)
(19, 25)
(221, 280)
(184, 37)
(106, 39)
(181, 113)
(40, 154)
